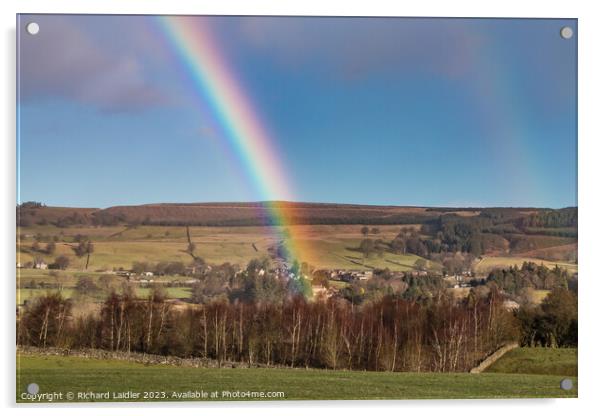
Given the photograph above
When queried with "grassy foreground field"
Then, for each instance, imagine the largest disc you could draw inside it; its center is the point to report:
(72, 374)
(552, 361)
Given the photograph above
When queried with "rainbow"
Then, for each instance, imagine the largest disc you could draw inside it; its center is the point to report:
(216, 84)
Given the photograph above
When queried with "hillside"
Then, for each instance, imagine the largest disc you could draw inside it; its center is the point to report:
(28, 215)
(537, 233)
(232, 214)
(247, 213)
(224, 214)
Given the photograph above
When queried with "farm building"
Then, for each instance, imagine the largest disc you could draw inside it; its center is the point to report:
(40, 264)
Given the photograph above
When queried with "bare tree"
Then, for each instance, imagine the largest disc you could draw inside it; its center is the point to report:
(84, 248)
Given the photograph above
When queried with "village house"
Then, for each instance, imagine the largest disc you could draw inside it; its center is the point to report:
(363, 275)
(40, 264)
(352, 275)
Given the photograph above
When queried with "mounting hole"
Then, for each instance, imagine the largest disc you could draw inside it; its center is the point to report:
(32, 28)
(566, 384)
(566, 32)
(33, 388)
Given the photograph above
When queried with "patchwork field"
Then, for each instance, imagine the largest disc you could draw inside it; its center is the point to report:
(71, 374)
(335, 246)
(563, 253)
(115, 247)
(24, 295)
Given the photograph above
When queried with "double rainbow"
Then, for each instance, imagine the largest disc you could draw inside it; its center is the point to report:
(216, 84)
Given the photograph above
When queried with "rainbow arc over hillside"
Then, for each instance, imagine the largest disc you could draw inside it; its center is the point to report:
(215, 82)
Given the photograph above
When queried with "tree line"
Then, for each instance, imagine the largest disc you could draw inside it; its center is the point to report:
(530, 275)
(553, 323)
(566, 217)
(390, 334)
(486, 232)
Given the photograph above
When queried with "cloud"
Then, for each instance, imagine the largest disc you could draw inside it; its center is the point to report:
(108, 62)
(357, 47)
(63, 60)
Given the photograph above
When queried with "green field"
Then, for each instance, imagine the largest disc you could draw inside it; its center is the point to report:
(333, 246)
(70, 277)
(114, 247)
(550, 361)
(142, 292)
(71, 374)
(539, 295)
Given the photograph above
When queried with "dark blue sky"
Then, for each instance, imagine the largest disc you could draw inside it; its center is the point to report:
(430, 112)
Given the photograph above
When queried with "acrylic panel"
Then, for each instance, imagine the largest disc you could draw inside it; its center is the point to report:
(217, 208)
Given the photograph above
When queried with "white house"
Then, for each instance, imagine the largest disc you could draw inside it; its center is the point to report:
(40, 265)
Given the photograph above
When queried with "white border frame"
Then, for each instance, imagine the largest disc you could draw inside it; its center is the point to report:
(590, 66)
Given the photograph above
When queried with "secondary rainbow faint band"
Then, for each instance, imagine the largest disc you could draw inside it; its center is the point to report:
(215, 82)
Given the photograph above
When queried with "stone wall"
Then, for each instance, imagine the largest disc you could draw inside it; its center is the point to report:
(138, 357)
(493, 357)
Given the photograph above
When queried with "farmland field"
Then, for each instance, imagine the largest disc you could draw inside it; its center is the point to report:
(116, 247)
(539, 295)
(71, 374)
(143, 292)
(336, 246)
